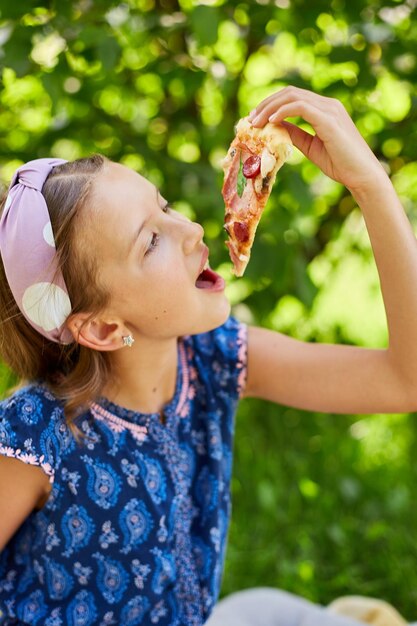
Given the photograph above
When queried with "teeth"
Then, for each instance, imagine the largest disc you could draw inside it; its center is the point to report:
(206, 265)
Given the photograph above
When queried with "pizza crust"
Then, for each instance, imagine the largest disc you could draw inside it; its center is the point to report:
(274, 136)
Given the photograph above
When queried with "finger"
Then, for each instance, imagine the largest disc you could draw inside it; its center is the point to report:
(269, 113)
(267, 107)
(261, 106)
(305, 110)
(280, 93)
(300, 138)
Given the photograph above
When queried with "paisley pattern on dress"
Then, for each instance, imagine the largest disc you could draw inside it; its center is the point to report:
(58, 580)
(165, 570)
(153, 477)
(108, 535)
(136, 523)
(135, 610)
(7, 436)
(30, 408)
(32, 609)
(112, 578)
(55, 618)
(82, 610)
(134, 529)
(103, 483)
(77, 527)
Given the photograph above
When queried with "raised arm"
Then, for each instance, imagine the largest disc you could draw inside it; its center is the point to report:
(345, 379)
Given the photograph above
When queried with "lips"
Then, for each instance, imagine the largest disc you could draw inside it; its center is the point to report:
(204, 259)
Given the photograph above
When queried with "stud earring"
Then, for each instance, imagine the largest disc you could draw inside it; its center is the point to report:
(128, 341)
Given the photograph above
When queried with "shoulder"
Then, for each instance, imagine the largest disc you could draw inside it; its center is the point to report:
(32, 404)
(226, 342)
(31, 421)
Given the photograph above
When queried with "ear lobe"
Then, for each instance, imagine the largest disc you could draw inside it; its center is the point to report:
(95, 333)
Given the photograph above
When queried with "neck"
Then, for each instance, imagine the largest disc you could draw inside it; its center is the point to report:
(144, 375)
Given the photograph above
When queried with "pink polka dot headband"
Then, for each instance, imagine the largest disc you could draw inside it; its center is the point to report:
(27, 247)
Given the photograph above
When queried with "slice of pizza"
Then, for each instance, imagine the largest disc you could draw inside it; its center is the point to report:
(250, 167)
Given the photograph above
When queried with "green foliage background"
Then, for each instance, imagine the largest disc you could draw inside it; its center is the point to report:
(323, 504)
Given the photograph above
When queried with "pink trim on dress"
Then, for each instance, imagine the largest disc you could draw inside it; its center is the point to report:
(185, 382)
(117, 424)
(29, 459)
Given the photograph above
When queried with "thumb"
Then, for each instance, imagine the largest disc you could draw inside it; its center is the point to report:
(300, 138)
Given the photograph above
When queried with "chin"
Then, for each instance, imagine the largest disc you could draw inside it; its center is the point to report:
(205, 319)
(218, 317)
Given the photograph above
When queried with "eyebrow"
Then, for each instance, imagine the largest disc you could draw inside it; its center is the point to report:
(141, 227)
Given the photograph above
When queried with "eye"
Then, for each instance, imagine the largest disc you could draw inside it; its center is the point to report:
(155, 237)
(153, 244)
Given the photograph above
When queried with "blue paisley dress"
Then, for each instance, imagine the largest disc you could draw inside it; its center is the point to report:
(134, 530)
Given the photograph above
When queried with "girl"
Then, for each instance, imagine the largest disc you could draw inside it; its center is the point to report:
(119, 512)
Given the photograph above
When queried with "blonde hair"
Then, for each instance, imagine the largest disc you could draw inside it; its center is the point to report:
(75, 374)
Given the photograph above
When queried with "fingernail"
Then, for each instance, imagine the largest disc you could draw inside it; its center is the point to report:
(273, 117)
(255, 120)
(251, 114)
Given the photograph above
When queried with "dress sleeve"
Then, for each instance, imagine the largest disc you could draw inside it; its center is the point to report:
(27, 429)
(230, 342)
(222, 357)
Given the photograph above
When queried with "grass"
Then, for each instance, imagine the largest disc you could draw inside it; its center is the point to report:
(323, 505)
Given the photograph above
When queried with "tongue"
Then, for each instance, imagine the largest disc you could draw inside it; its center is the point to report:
(203, 284)
(206, 279)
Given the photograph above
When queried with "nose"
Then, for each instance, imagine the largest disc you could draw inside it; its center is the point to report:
(193, 235)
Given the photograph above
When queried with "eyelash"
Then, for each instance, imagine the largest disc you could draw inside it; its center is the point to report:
(155, 237)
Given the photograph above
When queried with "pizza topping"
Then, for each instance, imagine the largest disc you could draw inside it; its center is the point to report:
(231, 173)
(241, 231)
(252, 166)
(241, 180)
(265, 183)
(233, 253)
(227, 222)
(268, 162)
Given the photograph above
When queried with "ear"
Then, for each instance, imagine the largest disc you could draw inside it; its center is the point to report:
(97, 333)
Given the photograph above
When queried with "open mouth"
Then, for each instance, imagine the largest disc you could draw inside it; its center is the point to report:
(210, 281)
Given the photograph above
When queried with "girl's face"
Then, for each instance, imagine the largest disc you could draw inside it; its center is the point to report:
(149, 257)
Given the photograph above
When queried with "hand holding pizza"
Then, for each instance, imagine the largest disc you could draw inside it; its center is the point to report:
(338, 148)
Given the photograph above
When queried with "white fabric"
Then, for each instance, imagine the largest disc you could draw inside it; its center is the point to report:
(263, 606)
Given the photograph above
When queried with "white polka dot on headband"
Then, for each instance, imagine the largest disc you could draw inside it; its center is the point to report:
(46, 305)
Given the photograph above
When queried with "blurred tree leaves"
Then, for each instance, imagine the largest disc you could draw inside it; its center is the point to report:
(159, 86)
(205, 24)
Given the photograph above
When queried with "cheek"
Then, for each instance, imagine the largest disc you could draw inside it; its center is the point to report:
(171, 291)
(169, 271)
